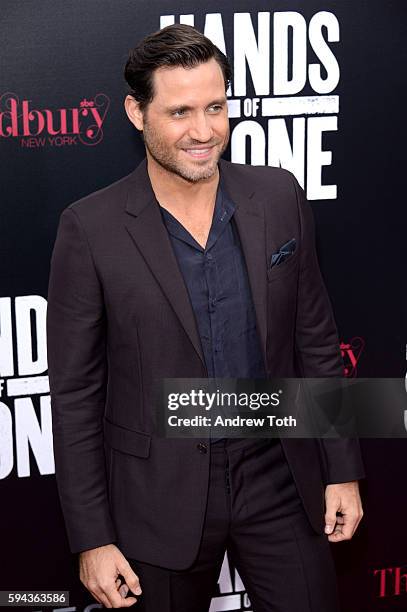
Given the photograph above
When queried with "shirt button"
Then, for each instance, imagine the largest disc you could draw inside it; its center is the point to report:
(212, 305)
(202, 447)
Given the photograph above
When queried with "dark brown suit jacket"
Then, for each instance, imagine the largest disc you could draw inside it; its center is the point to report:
(119, 318)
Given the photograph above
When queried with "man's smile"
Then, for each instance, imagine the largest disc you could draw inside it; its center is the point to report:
(199, 152)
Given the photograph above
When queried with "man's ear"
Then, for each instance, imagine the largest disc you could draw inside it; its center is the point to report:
(134, 113)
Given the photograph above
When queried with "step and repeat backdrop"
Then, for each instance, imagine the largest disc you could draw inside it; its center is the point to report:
(318, 89)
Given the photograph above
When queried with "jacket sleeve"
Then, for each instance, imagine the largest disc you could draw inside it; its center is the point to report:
(317, 346)
(77, 370)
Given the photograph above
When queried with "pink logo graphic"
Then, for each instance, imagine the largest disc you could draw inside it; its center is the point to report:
(351, 353)
(55, 127)
(391, 581)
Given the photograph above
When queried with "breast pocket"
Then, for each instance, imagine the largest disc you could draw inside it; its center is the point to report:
(288, 266)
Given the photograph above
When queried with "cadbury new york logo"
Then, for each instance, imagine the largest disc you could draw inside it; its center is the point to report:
(351, 352)
(40, 127)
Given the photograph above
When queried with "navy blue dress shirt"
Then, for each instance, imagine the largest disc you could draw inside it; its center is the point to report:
(218, 286)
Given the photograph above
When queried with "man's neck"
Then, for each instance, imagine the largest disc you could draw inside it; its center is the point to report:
(179, 195)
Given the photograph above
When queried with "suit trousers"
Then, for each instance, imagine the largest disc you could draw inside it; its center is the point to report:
(255, 514)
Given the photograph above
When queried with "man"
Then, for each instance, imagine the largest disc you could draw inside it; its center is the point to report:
(167, 274)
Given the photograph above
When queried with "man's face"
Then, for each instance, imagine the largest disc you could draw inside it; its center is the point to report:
(186, 126)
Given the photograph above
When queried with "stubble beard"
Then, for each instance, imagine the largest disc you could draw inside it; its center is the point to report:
(161, 154)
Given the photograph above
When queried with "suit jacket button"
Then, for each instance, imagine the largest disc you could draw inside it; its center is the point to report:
(202, 447)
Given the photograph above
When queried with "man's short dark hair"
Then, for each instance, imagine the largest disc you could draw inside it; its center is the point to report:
(174, 45)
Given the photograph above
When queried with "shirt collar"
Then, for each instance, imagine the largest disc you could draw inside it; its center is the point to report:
(223, 211)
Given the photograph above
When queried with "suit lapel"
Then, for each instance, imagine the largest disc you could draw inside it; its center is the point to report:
(250, 221)
(146, 228)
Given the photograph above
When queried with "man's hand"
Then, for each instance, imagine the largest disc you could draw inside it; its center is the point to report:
(99, 571)
(343, 498)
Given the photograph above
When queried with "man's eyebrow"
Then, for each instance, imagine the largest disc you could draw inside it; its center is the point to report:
(185, 107)
(178, 107)
(218, 101)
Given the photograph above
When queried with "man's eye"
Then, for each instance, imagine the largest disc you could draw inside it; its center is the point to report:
(215, 108)
(178, 113)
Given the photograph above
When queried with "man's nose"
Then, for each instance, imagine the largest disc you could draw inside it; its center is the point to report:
(200, 127)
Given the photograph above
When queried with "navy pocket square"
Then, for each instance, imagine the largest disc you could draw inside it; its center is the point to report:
(284, 251)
